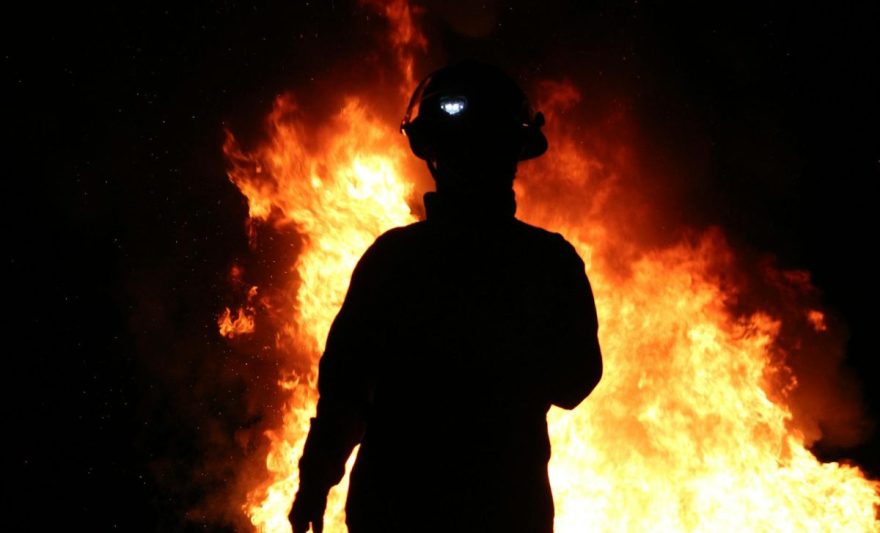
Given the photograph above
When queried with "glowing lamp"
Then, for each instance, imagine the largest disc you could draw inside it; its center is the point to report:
(453, 105)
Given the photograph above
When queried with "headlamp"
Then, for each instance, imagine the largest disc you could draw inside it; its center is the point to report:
(453, 105)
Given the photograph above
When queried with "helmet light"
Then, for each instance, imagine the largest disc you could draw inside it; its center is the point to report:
(453, 105)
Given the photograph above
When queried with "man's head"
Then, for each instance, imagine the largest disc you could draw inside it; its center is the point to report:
(474, 124)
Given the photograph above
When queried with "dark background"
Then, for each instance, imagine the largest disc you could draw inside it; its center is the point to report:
(117, 203)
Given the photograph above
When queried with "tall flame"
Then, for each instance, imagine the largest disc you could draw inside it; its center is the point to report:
(689, 429)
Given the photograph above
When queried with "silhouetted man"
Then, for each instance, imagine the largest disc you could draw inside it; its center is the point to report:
(456, 336)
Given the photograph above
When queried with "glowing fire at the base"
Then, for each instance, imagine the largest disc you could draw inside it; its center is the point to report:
(689, 429)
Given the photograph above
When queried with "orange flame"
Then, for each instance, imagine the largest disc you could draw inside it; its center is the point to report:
(689, 429)
(340, 195)
(244, 322)
(235, 327)
(817, 319)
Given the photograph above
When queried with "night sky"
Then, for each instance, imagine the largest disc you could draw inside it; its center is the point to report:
(122, 223)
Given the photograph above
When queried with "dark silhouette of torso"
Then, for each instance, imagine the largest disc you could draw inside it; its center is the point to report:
(456, 336)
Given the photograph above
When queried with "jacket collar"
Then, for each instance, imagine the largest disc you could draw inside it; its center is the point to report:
(463, 210)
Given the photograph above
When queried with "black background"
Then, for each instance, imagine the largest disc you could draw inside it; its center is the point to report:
(117, 201)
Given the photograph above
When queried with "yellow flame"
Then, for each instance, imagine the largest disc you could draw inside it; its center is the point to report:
(234, 327)
(688, 430)
(680, 435)
(340, 197)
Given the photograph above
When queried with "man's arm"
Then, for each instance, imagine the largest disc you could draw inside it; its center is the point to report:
(573, 361)
(345, 386)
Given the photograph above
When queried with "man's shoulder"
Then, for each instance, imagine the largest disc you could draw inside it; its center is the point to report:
(396, 239)
(552, 246)
(400, 234)
(535, 232)
(523, 231)
(542, 235)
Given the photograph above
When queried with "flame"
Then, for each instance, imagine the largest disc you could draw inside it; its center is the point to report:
(244, 322)
(234, 327)
(340, 195)
(689, 429)
(817, 319)
(405, 38)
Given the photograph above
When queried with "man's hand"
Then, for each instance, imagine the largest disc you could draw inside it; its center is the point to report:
(308, 509)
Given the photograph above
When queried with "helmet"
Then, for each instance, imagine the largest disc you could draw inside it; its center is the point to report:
(472, 104)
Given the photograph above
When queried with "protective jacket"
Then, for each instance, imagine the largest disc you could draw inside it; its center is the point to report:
(455, 337)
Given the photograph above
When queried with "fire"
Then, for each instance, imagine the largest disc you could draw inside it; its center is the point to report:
(341, 196)
(683, 434)
(243, 323)
(234, 327)
(817, 319)
(689, 429)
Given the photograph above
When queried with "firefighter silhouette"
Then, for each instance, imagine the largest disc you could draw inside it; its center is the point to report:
(456, 335)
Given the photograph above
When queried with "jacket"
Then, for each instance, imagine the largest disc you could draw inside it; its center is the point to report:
(455, 337)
